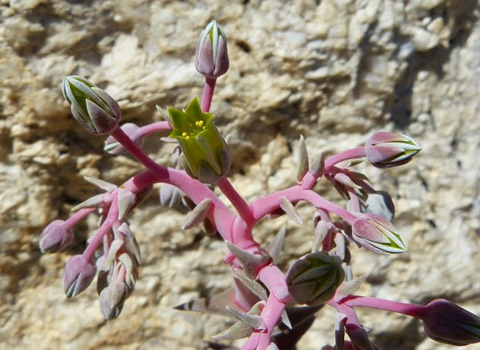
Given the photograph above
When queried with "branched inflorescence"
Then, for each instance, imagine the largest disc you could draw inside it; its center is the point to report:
(264, 300)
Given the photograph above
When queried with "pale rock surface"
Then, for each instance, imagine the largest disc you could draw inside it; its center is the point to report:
(333, 70)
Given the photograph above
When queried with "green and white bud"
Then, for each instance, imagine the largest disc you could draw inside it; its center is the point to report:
(92, 107)
(211, 56)
(386, 150)
(314, 279)
(377, 235)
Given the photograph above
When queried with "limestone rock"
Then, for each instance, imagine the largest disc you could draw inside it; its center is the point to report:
(334, 71)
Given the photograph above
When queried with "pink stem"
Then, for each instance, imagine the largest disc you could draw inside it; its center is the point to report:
(242, 236)
(238, 202)
(78, 216)
(309, 181)
(154, 127)
(112, 217)
(135, 151)
(274, 279)
(271, 314)
(208, 90)
(353, 153)
(413, 310)
(348, 311)
(197, 191)
(270, 203)
(194, 189)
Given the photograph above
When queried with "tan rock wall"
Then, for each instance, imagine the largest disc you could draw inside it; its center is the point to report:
(333, 70)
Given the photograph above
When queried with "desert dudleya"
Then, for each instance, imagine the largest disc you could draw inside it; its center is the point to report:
(92, 107)
(205, 153)
(385, 149)
(211, 56)
(314, 278)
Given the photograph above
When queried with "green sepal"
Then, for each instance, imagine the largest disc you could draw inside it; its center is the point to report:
(203, 147)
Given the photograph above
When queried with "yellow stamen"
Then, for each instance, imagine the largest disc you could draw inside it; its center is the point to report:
(184, 134)
(200, 123)
(187, 137)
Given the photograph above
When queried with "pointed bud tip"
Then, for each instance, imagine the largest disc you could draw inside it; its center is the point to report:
(78, 275)
(377, 235)
(211, 56)
(92, 107)
(55, 237)
(386, 150)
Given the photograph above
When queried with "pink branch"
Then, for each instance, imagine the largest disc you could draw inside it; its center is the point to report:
(349, 312)
(309, 180)
(208, 90)
(194, 189)
(274, 280)
(413, 310)
(353, 153)
(238, 202)
(271, 314)
(154, 127)
(270, 203)
(112, 217)
(78, 216)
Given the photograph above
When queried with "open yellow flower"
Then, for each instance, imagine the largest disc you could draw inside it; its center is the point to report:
(205, 152)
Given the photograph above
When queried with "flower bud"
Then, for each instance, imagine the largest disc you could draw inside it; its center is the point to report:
(205, 153)
(386, 150)
(314, 278)
(55, 237)
(112, 146)
(448, 323)
(112, 299)
(79, 273)
(211, 56)
(92, 107)
(377, 235)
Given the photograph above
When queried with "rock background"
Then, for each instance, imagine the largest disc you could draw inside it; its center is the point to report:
(333, 70)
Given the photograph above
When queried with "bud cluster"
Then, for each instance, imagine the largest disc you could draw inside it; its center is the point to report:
(118, 268)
